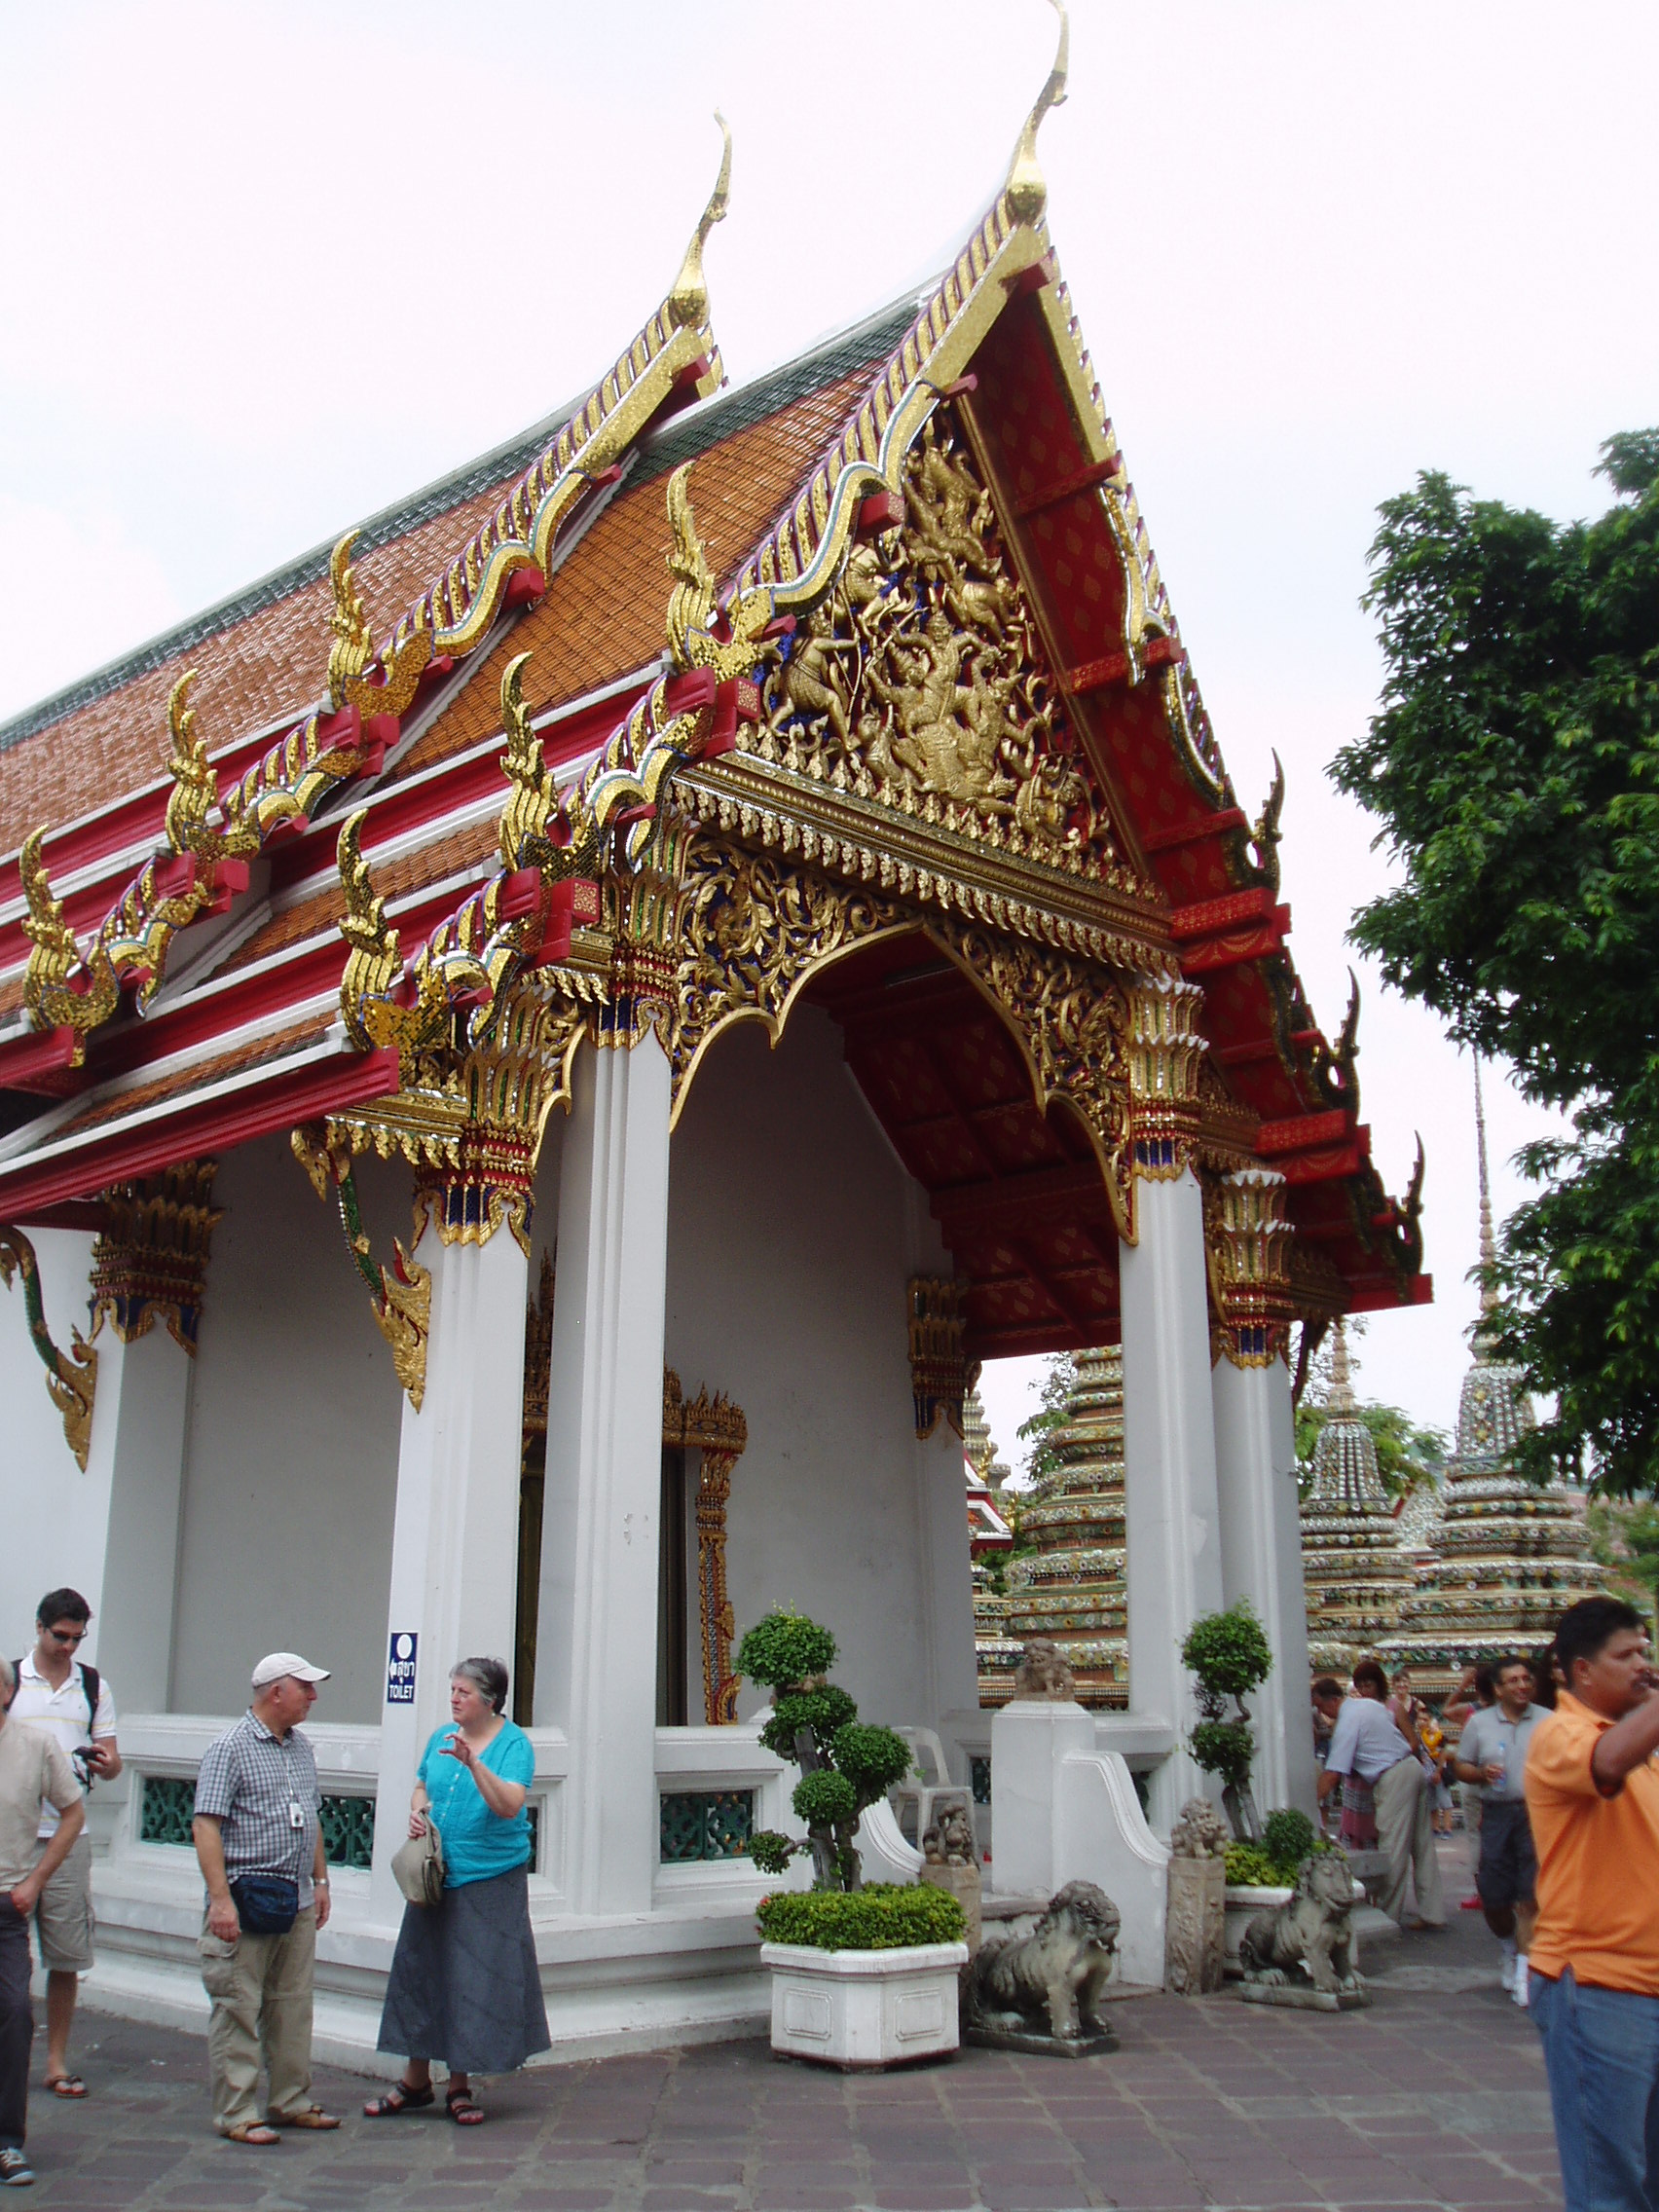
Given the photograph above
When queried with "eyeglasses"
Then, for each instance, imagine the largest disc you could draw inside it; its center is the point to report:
(67, 1635)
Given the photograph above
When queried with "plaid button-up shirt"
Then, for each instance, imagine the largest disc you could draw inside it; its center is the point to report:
(248, 1780)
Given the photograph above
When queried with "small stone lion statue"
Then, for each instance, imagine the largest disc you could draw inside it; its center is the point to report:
(950, 1842)
(1044, 1673)
(1200, 1832)
(1049, 1982)
(1312, 1931)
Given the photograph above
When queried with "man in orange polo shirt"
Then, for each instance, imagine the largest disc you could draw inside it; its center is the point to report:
(1593, 1794)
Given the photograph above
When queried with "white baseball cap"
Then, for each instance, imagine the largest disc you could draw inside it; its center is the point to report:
(275, 1664)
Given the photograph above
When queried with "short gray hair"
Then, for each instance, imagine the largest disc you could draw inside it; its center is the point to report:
(488, 1676)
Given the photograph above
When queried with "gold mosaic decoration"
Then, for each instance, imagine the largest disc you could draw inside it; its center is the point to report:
(150, 1260)
(717, 1429)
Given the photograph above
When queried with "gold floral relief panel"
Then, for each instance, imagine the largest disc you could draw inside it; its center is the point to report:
(920, 682)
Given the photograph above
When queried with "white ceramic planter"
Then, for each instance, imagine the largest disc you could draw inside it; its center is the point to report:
(1244, 1902)
(865, 2007)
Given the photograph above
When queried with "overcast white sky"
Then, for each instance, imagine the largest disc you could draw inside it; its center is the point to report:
(269, 267)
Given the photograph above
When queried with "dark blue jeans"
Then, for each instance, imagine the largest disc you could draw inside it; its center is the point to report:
(16, 2024)
(1601, 2055)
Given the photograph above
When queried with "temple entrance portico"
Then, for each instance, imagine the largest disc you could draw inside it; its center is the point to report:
(720, 989)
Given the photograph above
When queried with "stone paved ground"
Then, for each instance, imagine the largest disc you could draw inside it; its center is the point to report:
(1434, 2097)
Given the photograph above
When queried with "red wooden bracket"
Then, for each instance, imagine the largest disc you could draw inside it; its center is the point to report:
(1068, 486)
(34, 1062)
(882, 510)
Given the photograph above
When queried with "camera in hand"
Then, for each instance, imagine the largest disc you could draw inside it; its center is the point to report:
(81, 1759)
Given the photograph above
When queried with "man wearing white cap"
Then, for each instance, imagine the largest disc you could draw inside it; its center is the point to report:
(260, 1847)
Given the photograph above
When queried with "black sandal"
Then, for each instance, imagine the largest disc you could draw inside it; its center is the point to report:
(405, 2097)
(463, 2109)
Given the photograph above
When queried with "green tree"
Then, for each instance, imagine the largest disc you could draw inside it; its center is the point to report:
(1624, 1538)
(1515, 771)
(1057, 1384)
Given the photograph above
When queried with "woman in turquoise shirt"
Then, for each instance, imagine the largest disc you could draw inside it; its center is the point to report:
(464, 1986)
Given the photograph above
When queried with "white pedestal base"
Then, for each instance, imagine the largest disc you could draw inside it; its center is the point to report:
(865, 2007)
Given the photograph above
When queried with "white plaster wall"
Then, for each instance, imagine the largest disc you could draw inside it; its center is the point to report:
(291, 1467)
(54, 1516)
(792, 1232)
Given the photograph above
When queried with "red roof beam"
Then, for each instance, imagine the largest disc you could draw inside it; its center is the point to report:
(275, 1101)
(1220, 824)
(1068, 486)
(1376, 1295)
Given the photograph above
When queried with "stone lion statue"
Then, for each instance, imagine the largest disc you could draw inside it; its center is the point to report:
(950, 1842)
(1314, 1930)
(1044, 1672)
(1200, 1832)
(1049, 1982)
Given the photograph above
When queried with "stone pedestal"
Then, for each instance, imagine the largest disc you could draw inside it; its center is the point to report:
(963, 1884)
(1193, 1946)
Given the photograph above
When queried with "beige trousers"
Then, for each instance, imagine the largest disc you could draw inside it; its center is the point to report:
(1405, 1832)
(261, 1987)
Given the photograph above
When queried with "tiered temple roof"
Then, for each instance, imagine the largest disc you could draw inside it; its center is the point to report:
(1073, 1587)
(987, 1531)
(1357, 1573)
(1507, 1556)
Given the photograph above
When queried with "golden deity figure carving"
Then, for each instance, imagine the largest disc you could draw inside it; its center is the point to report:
(919, 681)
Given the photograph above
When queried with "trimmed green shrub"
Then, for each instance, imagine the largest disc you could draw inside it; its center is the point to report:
(845, 1763)
(884, 1917)
(1249, 1867)
(1229, 1654)
(1288, 1836)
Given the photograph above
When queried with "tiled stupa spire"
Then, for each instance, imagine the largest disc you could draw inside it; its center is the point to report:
(1073, 1588)
(989, 1538)
(1356, 1572)
(1507, 1556)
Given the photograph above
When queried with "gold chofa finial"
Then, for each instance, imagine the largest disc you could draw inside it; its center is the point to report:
(688, 299)
(1028, 191)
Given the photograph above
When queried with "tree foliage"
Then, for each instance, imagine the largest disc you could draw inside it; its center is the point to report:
(1408, 1456)
(1056, 1388)
(1515, 771)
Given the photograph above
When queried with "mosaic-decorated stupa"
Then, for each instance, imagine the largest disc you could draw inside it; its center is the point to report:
(989, 1539)
(1507, 1556)
(1357, 1573)
(1073, 1588)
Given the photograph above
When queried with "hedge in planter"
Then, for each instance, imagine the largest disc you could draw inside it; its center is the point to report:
(883, 1917)
(845, 1764)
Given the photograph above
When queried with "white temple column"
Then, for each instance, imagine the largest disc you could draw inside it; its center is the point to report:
(1255, 1448)
(148, 1277)
(454, 1535)
(596, 1671)
(1171, 1520)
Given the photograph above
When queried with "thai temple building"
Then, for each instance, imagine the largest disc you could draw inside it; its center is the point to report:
(1073, 1588)
(745, 871)
(989, 1539)
(1359, 1573)
(1506, 1557)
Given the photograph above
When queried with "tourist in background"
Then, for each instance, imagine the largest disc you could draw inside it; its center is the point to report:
(1423, 1732)
(1368, 1746)
(1593, 1793)
(59, 1693)
(1327, 1704)
(1491, 1758)
(1474, 1694)
(465, 1987)
(259, 1844)
(33, 1771)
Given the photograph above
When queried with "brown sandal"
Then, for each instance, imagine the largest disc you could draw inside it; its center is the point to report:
(254, 2132)
(463, 2109)
(404, 2097)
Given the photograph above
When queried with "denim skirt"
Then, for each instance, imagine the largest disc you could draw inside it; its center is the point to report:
(465, 1987)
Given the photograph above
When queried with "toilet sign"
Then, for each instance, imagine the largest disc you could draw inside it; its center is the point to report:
(401, 1668)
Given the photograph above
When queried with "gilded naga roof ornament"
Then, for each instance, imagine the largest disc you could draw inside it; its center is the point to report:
(688, 296)
(1266, 833)
(353, 646)
(1026, 189)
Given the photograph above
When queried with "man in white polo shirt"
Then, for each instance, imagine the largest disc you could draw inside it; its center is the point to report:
(1366, 1742)
(73, 1703)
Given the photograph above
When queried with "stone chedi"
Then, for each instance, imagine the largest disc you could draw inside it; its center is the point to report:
(1507, 1556)
(1073, 1588)
(990, 1539)
(1358, 1576)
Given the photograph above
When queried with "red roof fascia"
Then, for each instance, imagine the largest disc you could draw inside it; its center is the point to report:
(1304, 1131)
(1375, 1296)
(38, 1061)
(257, 1109)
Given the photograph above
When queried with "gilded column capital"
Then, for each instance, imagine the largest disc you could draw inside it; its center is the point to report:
(1250, 1251)
(1164, 1050)
(150, 1260)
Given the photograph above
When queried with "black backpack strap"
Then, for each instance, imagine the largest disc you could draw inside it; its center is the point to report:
(91, 1681)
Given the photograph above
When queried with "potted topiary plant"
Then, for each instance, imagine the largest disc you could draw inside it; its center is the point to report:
(1230, 1656)
(861, 1976)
